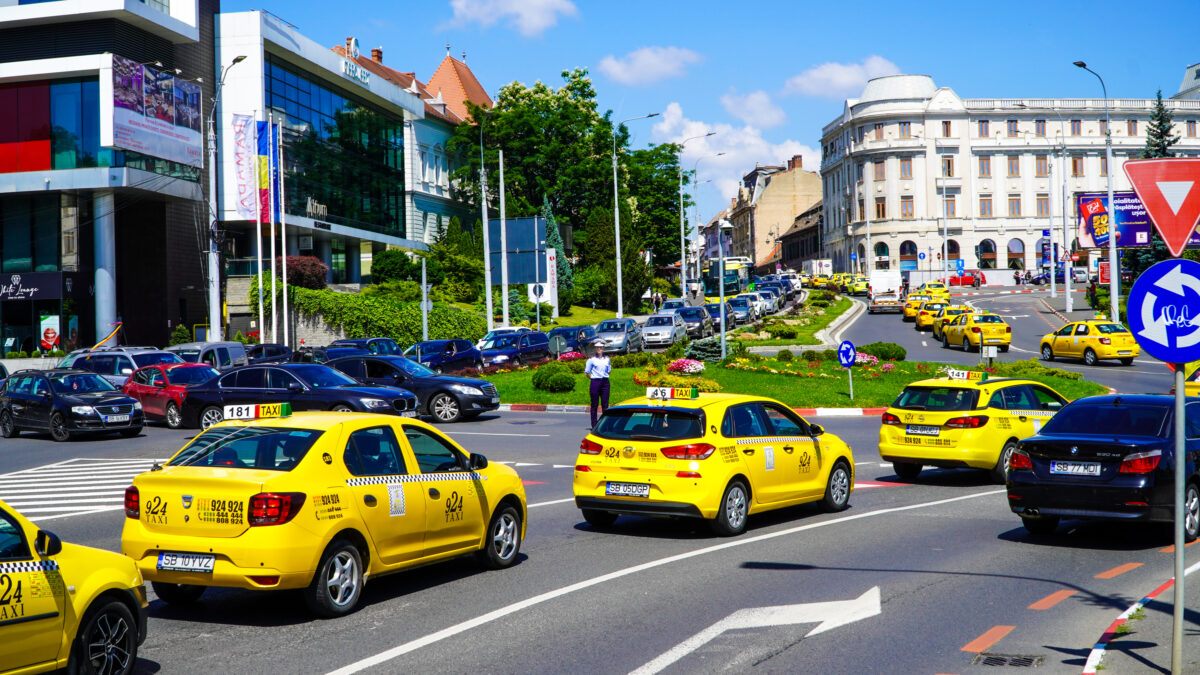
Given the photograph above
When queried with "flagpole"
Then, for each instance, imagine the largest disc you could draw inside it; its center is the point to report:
(271, 217)
(283, 233)
(258, 242)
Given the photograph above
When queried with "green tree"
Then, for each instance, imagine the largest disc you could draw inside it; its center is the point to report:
(566, 273)
(395, 264)
(654, 187)
(1159, 140)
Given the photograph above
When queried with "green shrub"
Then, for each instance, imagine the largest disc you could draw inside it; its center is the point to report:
(577, 365)
(542, 376)
(676, 350)
(755, 358)
(181, 335)
(785, 355)
(22, 355)
(559, 383)
(11, 355)
(707, 349)
(885, 351)
(395, 290)
(825, 354)
(1032, 368)
(57, 352)
(819, 303)
(782, 331)
(630, 360)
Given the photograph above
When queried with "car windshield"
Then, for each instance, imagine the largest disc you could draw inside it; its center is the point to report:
(412, 367)
(565, 332)
(1098, 419)
(155, 358)
(413, 352)
(936, 399)
(79, 383)
(1110, 328)
(612, 326)
(270, 448)
(321, 377)
(660, 321)
(189, 355)
(634, 424)
(987, 318)
(186, 376)
(692, 314)
(740, 302)
(500, 342)
(932, 307)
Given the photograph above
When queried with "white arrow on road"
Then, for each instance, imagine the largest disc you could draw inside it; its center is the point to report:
(1175, 281)
(829, 615)
(1154, 330)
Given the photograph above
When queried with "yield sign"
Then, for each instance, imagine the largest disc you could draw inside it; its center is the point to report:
(1170, 191)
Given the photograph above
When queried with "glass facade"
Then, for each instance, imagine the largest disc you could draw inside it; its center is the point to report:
(339, 152)
(29, 233)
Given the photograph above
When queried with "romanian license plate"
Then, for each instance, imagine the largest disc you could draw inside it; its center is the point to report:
(922, 430)
(1075, 468)
(627, 489)
(495, 399)
(995, 339)
(186, 562)
(408, 413)
(1125, 352)
(115, 419)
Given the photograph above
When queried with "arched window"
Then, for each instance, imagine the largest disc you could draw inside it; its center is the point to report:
(861, 263)
(951, 249)
(908, 255)
(1016, 254)
(987, 254)
(882, 262)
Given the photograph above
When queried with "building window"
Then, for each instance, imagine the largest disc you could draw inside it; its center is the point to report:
(1076, 127)
(985, 206)
(1191, 128)
(985, 167)
(862, 132)
(906, 130)
(1104, 166)
(1011, 125)
(950, 207)
(1131, 127)
(1043, 166)
(1039, 127)
(906, 167)
(948, 166)
(858, 172)
(906, 207)
(880, 169)
(946, 129)
(1076, 166)
(1014, 166)
(881, 208)
(1043, 205)
(1014, 206)
(987, 254)
(984, 129)
(879, 131)
(1103, 127)
(1016, 254)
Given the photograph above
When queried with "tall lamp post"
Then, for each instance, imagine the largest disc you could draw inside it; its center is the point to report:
(722, 226)
(617, 211)
(696, 183)
(214, 250)
(683, 216)
(1114, 272)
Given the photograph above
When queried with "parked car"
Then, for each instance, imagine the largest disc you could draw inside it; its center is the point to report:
(269, 353)
(516, 348)
(699, 323)
(620, 336)
(115, 364)
(1078, 276)
(664, 330)
(323, 354)
(714, 312)
(443, 397)
(66, 402)
(501, 330)
(745, 309)
(219, 355)
(162, 388)
(444, 356)
(306, 386)
(577, 338)
(376, 345)
(974, 278)
(673, 304)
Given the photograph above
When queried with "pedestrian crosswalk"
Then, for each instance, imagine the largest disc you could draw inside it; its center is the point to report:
(72, 487)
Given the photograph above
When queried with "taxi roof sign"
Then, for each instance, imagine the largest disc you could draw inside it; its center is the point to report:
(258, 411)
(966, 375)
(669, 393)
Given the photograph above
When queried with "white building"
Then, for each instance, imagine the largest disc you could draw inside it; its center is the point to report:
(906, 152)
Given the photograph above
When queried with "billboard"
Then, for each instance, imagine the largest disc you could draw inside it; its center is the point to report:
(1130, 222)
(153, 113)
(526, 239)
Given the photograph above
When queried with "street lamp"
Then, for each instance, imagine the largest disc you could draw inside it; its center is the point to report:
(214, 252)
(1114, 272)
(683, 216)
(617, 211)
(696, 182)
(722, 226)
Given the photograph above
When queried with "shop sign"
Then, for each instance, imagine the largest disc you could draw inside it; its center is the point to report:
(356, 72)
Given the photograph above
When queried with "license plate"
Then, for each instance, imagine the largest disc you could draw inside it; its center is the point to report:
(995, 339)
(408, 413)
(186, 562)
(1125, 352)
(627, 489)
(922, 430)
(113, 419)
(1075, 468)
(495, 399)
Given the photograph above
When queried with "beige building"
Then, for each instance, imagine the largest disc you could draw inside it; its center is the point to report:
(766, 206)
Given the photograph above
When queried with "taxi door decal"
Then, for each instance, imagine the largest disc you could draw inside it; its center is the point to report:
(24, 583)
(769, 457)
(395, 499)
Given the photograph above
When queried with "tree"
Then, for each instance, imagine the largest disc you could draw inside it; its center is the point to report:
(394, 264)
(566, 274)
(1159, 140)
(654, 187)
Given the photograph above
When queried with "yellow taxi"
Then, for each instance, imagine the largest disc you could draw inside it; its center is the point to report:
(819, 281)
(935, 289)
(320, 501)
(65, 606)
(944, 316)
(926, 313)
(912, 305)
(1091, 341)
(964, 420)
(858, 285)
(835, 282)
(973, 330)
(719, 457)
(806, 280)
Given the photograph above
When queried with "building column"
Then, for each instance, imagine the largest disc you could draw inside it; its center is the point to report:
(325, 253)
(353, 261)
(105, 254)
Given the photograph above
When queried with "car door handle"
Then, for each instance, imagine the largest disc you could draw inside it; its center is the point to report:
(1023, 418)
(788, 449)
(433, 492)
(370, 500)
(748, 451)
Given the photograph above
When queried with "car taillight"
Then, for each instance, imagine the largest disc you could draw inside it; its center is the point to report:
(1008, 329)
(1105, 341)
(975, 329)
(582, 468)
(274, 508)
(1141, 462)
(132, 503)
(968, 422)
(689, 451)
(889, 418)
(1020, 460)
(589, 447)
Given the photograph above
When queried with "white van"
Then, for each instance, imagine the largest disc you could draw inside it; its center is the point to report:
(219, 355)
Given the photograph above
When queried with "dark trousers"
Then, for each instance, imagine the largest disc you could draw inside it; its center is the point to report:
(599, 391)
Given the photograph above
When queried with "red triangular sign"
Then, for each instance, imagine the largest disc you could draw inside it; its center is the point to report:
(1170, 191)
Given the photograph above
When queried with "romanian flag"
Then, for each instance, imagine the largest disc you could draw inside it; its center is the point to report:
(268, 172)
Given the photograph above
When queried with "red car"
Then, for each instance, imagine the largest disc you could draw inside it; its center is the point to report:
(161, 388)
(968, 278)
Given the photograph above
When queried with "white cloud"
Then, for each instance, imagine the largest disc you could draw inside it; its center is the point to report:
(531, 18)
(756, 109)
(839, 80)
(648, 65)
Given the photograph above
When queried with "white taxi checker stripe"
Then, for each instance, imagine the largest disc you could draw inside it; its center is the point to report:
(33, 566)
(414, 478)
(1032, 413)
(772, 439)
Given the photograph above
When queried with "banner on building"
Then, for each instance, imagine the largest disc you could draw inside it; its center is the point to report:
(268, 172)
(50, 332)
(245, 163)
(1128, 222)
(151, 112)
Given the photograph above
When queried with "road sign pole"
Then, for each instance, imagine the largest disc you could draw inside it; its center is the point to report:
(1180, 478)
(424, 304)
(850, 379)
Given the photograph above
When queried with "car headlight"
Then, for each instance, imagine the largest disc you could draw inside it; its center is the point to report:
(370, 403)
(498, 359)
(137, 405)
(467, 389)
(83, 410)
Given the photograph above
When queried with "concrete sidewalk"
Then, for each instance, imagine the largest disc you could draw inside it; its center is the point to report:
(1139, 639)
(1058, 305)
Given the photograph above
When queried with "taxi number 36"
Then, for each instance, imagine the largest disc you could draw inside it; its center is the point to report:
(10, 591)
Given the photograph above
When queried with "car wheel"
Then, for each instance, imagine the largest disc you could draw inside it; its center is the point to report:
(1191, 512)
(837, 490)
(107, 643)
(945, 342)
(502, 542)
(8, 428)
(1040, 525)
(599, 519)
(210, 416)
(131, 432)
(338, 583)
(1127, 362)
(1047, 353)
(1004, 349)
(1089, 357)
(966, 344)
(173, 416)
(516, 361)
(1000, 472)
(342, 408)
(906, 471)
(479, 365)
(177, 594)
(735, 508)
(445, 408)
(58, 428)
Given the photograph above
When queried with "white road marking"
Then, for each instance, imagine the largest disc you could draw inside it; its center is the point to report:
(550, 503)
(861, 463)
(517, 607)
(924, 343)
(69, 488)
(489, 433)
(564, 466)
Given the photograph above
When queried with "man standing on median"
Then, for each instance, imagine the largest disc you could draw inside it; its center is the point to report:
(598, 369)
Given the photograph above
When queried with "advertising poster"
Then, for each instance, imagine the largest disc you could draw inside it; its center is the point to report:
(155, 113)
(1130, 223)
(50, 334)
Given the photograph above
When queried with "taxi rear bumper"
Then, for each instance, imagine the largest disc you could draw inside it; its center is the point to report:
(227, 575)
(640, 508)
(956, 457)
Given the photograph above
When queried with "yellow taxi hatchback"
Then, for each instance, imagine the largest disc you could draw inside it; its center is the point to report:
(321, 501)
(858, 285)
(960, 422)
(719, 457)
(819, 281)
(65, 606)
(926, 313)
(1091, 341)
(935, 289)
(805, 280)
(977, 329)
(912, 305)
(945, 315)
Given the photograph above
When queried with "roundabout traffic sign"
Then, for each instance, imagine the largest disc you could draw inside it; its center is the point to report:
(1164, 311)
(847, 354)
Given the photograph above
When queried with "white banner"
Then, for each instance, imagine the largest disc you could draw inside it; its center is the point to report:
(245, 159)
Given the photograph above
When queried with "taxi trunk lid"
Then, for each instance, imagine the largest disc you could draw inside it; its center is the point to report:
(198, 501)
(649, 441)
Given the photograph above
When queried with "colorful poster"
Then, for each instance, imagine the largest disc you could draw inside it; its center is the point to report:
(154, 113)
(245, 161)
(1130, 223)
(50, 335)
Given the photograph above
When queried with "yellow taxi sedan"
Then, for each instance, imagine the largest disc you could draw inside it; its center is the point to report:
(858, 285)
(1091, 341)
(719, 457)
(965, 420)
(926, 314)
(806, 280)
(945, 315)
(320, 501)
(977, 329)
(935, 289)
(65, 606)
(912, 305)
(835, 282)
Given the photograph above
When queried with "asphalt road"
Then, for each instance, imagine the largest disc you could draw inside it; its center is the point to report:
(915, 578)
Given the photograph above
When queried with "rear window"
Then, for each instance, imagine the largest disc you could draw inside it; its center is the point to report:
(189, 355)
(1108, 420)
(692, 313)
(612, 327)
(936, 399)
(649, 425)
(270, 448)
(155, 358)
(1110, 328)
(191, 375)
(987, 318)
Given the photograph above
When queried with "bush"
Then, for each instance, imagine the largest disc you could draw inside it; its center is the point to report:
(305, 271)
(756, 358)
(560, 383)
(884, 351)
(576, 366)
(630, 360)
(785, 355)
(819, 303)
(179, 336)
(707, 349)
(542, 376)
(395, 265)
(11, 355)
(653, 377)
(782, 331)
(22, 355)
(676, 350)
(57, 352)
(395, 291)
(1032, 368)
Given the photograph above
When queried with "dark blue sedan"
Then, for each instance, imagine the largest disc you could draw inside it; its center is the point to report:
(445, 356)
(515, 348)
(376, 345)
(445, 398)
(576, 338)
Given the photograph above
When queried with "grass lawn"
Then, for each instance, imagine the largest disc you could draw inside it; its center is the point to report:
(805, 335)
(585, 316)
(872, 388)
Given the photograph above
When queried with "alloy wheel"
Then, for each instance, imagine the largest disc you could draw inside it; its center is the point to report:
(504, 536)
(110, 644)
(341, 582)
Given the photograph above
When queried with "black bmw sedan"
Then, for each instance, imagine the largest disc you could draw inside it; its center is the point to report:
(1106, 458)
(445, 398)
(66, 402)
(306, 386)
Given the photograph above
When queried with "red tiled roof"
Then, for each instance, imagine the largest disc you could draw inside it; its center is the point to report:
(457, 84)
(405, 81)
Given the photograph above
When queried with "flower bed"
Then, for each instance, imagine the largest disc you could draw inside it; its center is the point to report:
(686, 367)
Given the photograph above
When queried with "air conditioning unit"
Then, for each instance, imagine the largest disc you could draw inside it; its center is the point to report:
(306, 242)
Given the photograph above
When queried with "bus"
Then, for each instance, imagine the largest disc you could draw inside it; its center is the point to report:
(737, 278)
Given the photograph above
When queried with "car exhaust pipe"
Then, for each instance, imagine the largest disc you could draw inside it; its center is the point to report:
(1031, 511)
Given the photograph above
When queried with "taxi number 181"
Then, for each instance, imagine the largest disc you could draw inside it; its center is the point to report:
(242, 412)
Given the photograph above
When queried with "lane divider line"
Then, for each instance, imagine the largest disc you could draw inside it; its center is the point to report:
(1171, 548)
(1118, 570)
(1052, 599)
(550, 503)
(990, 637)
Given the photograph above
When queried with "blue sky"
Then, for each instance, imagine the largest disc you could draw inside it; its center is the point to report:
(766, 75)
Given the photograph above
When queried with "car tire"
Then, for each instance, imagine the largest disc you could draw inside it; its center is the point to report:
(966, 344)
(945, 342)
(173, 417)
(599, 519)
(1047, 353)
(1042, 525)
(210, 416)
(1191, 512)
(1127, 362)
(58, 428)
(837, 489)
(1004, 349)
(516, 361)
(8, 427)
(338, 583)
(478, 365)
(734, 510)
(438, 370)
(177, 594)
(112, 625)
(131, 432)
(502, 542)
(907, 471)
(1000, 471)
(1089, 357)
(445, 408)
(342, 408)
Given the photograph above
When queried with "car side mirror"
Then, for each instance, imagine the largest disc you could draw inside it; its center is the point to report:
(815, 430)
(294, 386)
(48, 543)
(127, 371)
(477, 462)
(398, 376)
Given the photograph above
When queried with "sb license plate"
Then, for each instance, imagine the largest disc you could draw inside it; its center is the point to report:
(995, 339)
(1075, 468)
(922, 430)
(115, 419)
(627, 489)
(1125, 352)
(186, 562)
(408, 413)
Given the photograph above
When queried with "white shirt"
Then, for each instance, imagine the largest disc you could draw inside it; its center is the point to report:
(598, 367)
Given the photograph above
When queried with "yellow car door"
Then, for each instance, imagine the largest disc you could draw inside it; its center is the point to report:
(751, 431)
(1061, 342)
(1029, 411)
(32, 598)
(952, 332)
(1078, 340)
(391, 504)
(455, 503)
(799, 465)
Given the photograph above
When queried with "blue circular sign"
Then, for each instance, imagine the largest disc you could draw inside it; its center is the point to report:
(847, 354)
(921, 256)
(1164, 311)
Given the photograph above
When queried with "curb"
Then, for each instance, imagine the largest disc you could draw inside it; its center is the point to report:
(541, 407)
(807, 412)
(839, 412)
(1053, 311)
(827, 335)
(1097, 653)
